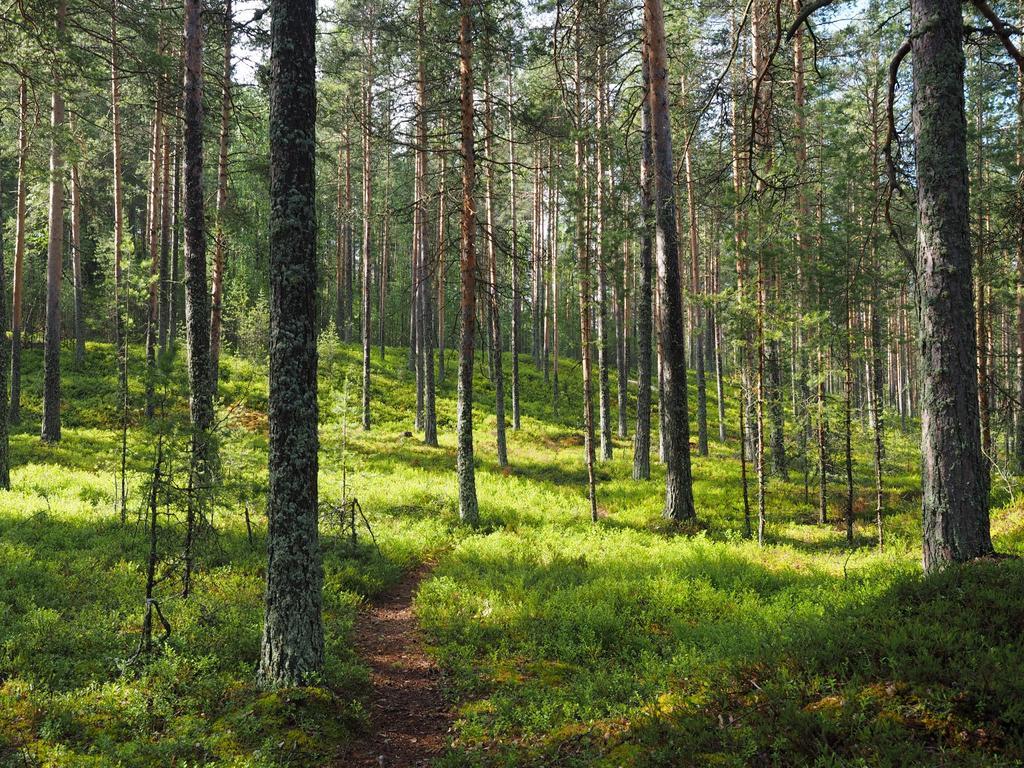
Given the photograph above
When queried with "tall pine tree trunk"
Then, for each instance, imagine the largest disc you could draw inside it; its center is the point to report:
(679, 504)
(954, 475)
(219, 238)
(645, 293)
(19, 250)
(469, 511)
(292, 649)
(367, 226)
(50, 431)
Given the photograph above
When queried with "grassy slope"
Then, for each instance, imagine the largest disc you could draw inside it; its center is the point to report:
(567, 643)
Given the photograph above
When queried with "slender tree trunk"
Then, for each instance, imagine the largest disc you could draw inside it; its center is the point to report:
(76, 265)
(367, 226)
(697, 310)
(469, 511)
(492, 265)
(5, 354)
(19, 251)
(955, 480)
(163, 284)
(219, 238)
(292, 650)
(155, 206)
(679, 504)
(442, 249)
(514, 257)
(173, 293)
(425, 337)
(50, 431)
(583, 260)
(600, 256)
(645, 293)
(120, 334)
(553, 269)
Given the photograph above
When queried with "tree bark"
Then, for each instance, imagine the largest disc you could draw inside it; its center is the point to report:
(469, 511)
(955, 480)
(50, 431)
(292, 649)
(679, 504)
(19, 251)
(513, 258)
(645, 292)
(219, 238)
(367, 225)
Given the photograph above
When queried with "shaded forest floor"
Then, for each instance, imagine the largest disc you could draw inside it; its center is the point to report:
(562, 642)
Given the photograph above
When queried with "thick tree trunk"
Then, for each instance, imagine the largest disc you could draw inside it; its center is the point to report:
(469, 511)
(679, 504)
(50, 431)
(197, 297)
(292, 649)
(219, 237)
(955, 480)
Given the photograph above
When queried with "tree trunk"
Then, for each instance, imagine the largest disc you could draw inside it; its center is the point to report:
(292, 649)
(513, 257)
(197, 297)
(469, 511)
(492, 265)
(954, 475)
(367, 225)
(645, 293)
(154, 208)
(5, 354)
(603, 351)
(50, 431)
(76, 266)
(679, 504)
(220, 245)
(165, 247)
(19, 251)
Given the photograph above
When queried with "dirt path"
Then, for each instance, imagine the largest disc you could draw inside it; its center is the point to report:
(409, 721)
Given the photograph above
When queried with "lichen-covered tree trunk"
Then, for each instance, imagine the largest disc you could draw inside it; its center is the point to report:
(50, 431)
(219, 237)
(954, 477)
(292, 649)
(197, 297)
(679, 504)
(644, 297)
(469, 511)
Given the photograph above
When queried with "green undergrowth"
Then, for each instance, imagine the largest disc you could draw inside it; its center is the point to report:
(622, 643)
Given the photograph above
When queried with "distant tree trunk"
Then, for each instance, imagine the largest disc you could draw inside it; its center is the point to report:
(621, 345)
(76, 265)
(348, 268)
(553, 269)
(468, 509)
(154, 207)
(679, 504)
(367, 225)
(173, 292)
(848, 411)
(697, 311)
(442, 249)
(425, 336)
(219, 238)
(292, 651)
(19, 251)
(955, 480)
(492, 265)
(120, 334)
(5, 354)
(197, 297)
(645, 294)
(583, 260)
(514, 257)
(50, 431)
(165, 246)
(979, 252)
(600, 256)
(340, 215)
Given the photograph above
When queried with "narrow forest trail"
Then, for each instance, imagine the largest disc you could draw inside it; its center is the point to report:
(409, 721)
